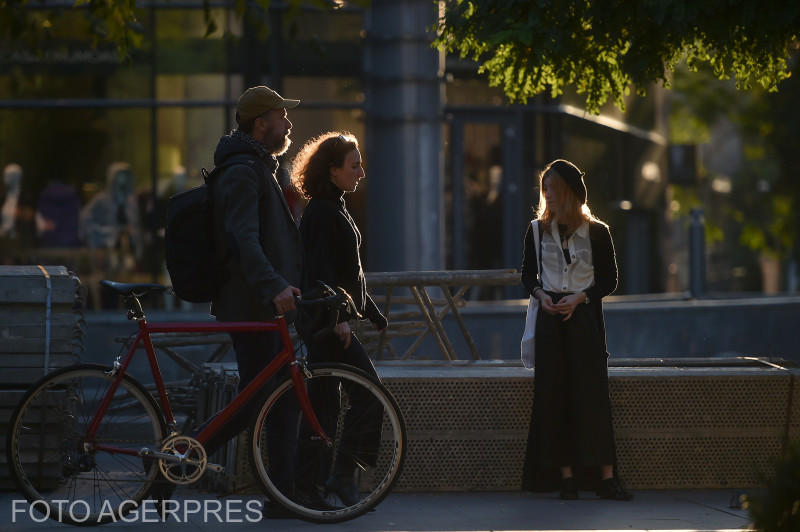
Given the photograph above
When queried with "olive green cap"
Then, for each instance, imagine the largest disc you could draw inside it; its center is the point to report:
(256, 101)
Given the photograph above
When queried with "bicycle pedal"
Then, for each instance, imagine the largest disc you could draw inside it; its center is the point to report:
(216, 468)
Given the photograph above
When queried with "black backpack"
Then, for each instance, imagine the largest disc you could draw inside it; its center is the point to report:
(192, 262)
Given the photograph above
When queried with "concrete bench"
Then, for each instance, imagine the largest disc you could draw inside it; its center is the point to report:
(676, 427)
(687, 427)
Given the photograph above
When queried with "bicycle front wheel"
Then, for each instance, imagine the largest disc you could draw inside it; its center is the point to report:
(333, 482)
(63, 474)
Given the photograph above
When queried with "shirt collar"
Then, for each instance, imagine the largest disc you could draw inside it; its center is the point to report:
(582, 231)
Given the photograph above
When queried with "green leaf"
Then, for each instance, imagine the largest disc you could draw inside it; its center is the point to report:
(611, 47)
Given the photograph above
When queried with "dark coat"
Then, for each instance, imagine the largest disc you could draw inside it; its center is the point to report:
(255, 235)
(603, 259)
(555, 438)
(332, 240)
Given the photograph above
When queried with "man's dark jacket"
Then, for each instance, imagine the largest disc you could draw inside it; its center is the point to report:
(255, 235)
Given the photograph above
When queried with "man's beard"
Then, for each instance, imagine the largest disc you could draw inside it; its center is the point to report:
(277, 146)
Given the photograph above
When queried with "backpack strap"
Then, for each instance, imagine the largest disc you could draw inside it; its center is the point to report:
(210, 177)
(245, 160)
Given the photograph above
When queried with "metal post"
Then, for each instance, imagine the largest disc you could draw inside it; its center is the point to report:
(155, 266)
(697, 253)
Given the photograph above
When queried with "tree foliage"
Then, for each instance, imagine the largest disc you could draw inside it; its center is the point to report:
(606, 47)
(777, 507)
(29, 24)
(764, 199)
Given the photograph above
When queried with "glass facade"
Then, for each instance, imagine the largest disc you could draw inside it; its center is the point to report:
(101, 143)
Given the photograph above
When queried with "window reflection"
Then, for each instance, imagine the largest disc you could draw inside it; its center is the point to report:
(89, 162)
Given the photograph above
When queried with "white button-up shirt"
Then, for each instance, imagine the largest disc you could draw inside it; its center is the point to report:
(557, 275)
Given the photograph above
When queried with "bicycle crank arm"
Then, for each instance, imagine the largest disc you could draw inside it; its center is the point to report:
(149, 453)
(174, 459)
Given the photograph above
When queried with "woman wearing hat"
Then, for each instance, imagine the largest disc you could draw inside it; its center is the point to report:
(571, 422)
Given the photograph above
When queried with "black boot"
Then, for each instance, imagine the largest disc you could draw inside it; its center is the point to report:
(611, 488)
(343, 485)
(569, 490)
(273, 510)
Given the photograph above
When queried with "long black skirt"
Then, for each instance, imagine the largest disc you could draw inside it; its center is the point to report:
(571, 416)
(365, 416)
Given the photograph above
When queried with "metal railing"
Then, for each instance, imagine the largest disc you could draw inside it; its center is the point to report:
(416, 303)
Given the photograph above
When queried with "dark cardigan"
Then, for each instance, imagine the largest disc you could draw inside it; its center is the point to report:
(603, 259)
(331, 241)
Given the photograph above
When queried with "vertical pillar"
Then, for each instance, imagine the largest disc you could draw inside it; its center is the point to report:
(154, 266)
(638, 252)
(697, 253)
(253, 49)
(404, 141)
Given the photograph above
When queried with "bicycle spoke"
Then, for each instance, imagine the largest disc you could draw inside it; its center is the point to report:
(63, 467)
(346, 479)
(118, 490)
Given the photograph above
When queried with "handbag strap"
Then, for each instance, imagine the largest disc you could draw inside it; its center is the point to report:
(537, 244)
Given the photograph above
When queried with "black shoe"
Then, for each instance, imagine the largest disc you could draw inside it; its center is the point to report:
(569, 491)
(310, 498)
(162, 491)
(273, 510)
(611, 488)
(345, 488)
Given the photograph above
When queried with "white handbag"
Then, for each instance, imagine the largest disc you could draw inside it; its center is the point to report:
(528, 343)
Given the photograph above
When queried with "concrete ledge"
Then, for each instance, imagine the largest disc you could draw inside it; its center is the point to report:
(675, 427)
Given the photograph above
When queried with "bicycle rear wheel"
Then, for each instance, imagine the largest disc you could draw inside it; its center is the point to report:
(329, 483)
(64, 476)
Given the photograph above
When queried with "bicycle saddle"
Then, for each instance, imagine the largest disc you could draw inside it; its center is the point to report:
(132, 289)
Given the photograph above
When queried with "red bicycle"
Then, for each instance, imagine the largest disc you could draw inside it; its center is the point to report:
(88, 443)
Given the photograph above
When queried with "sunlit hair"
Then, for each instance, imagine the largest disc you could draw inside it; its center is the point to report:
(572, 213)
(312, 165)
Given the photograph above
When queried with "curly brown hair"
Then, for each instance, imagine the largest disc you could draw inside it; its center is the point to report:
(311, 166)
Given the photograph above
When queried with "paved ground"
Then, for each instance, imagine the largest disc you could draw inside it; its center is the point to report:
(451, 512)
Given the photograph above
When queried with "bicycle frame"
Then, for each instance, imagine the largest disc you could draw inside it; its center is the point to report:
(286, 356)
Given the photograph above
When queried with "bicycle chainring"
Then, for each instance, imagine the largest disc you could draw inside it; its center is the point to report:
(193, 460)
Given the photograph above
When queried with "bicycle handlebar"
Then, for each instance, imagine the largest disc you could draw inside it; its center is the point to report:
(340, 299)
(322, 309)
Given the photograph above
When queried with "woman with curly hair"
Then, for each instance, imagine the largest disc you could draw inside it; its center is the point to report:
(326, 168)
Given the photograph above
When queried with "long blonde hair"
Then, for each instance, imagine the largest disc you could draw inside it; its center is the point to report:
(573, 213)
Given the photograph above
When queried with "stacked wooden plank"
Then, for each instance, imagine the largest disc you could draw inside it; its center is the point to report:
(41, 329)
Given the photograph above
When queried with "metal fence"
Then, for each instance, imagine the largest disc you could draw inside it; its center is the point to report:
(416, 303)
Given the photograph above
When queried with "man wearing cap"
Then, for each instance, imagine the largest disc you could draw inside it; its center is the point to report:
(256, 236)
(258, 245)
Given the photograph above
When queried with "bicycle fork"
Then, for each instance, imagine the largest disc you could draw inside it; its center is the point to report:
(299, 372)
